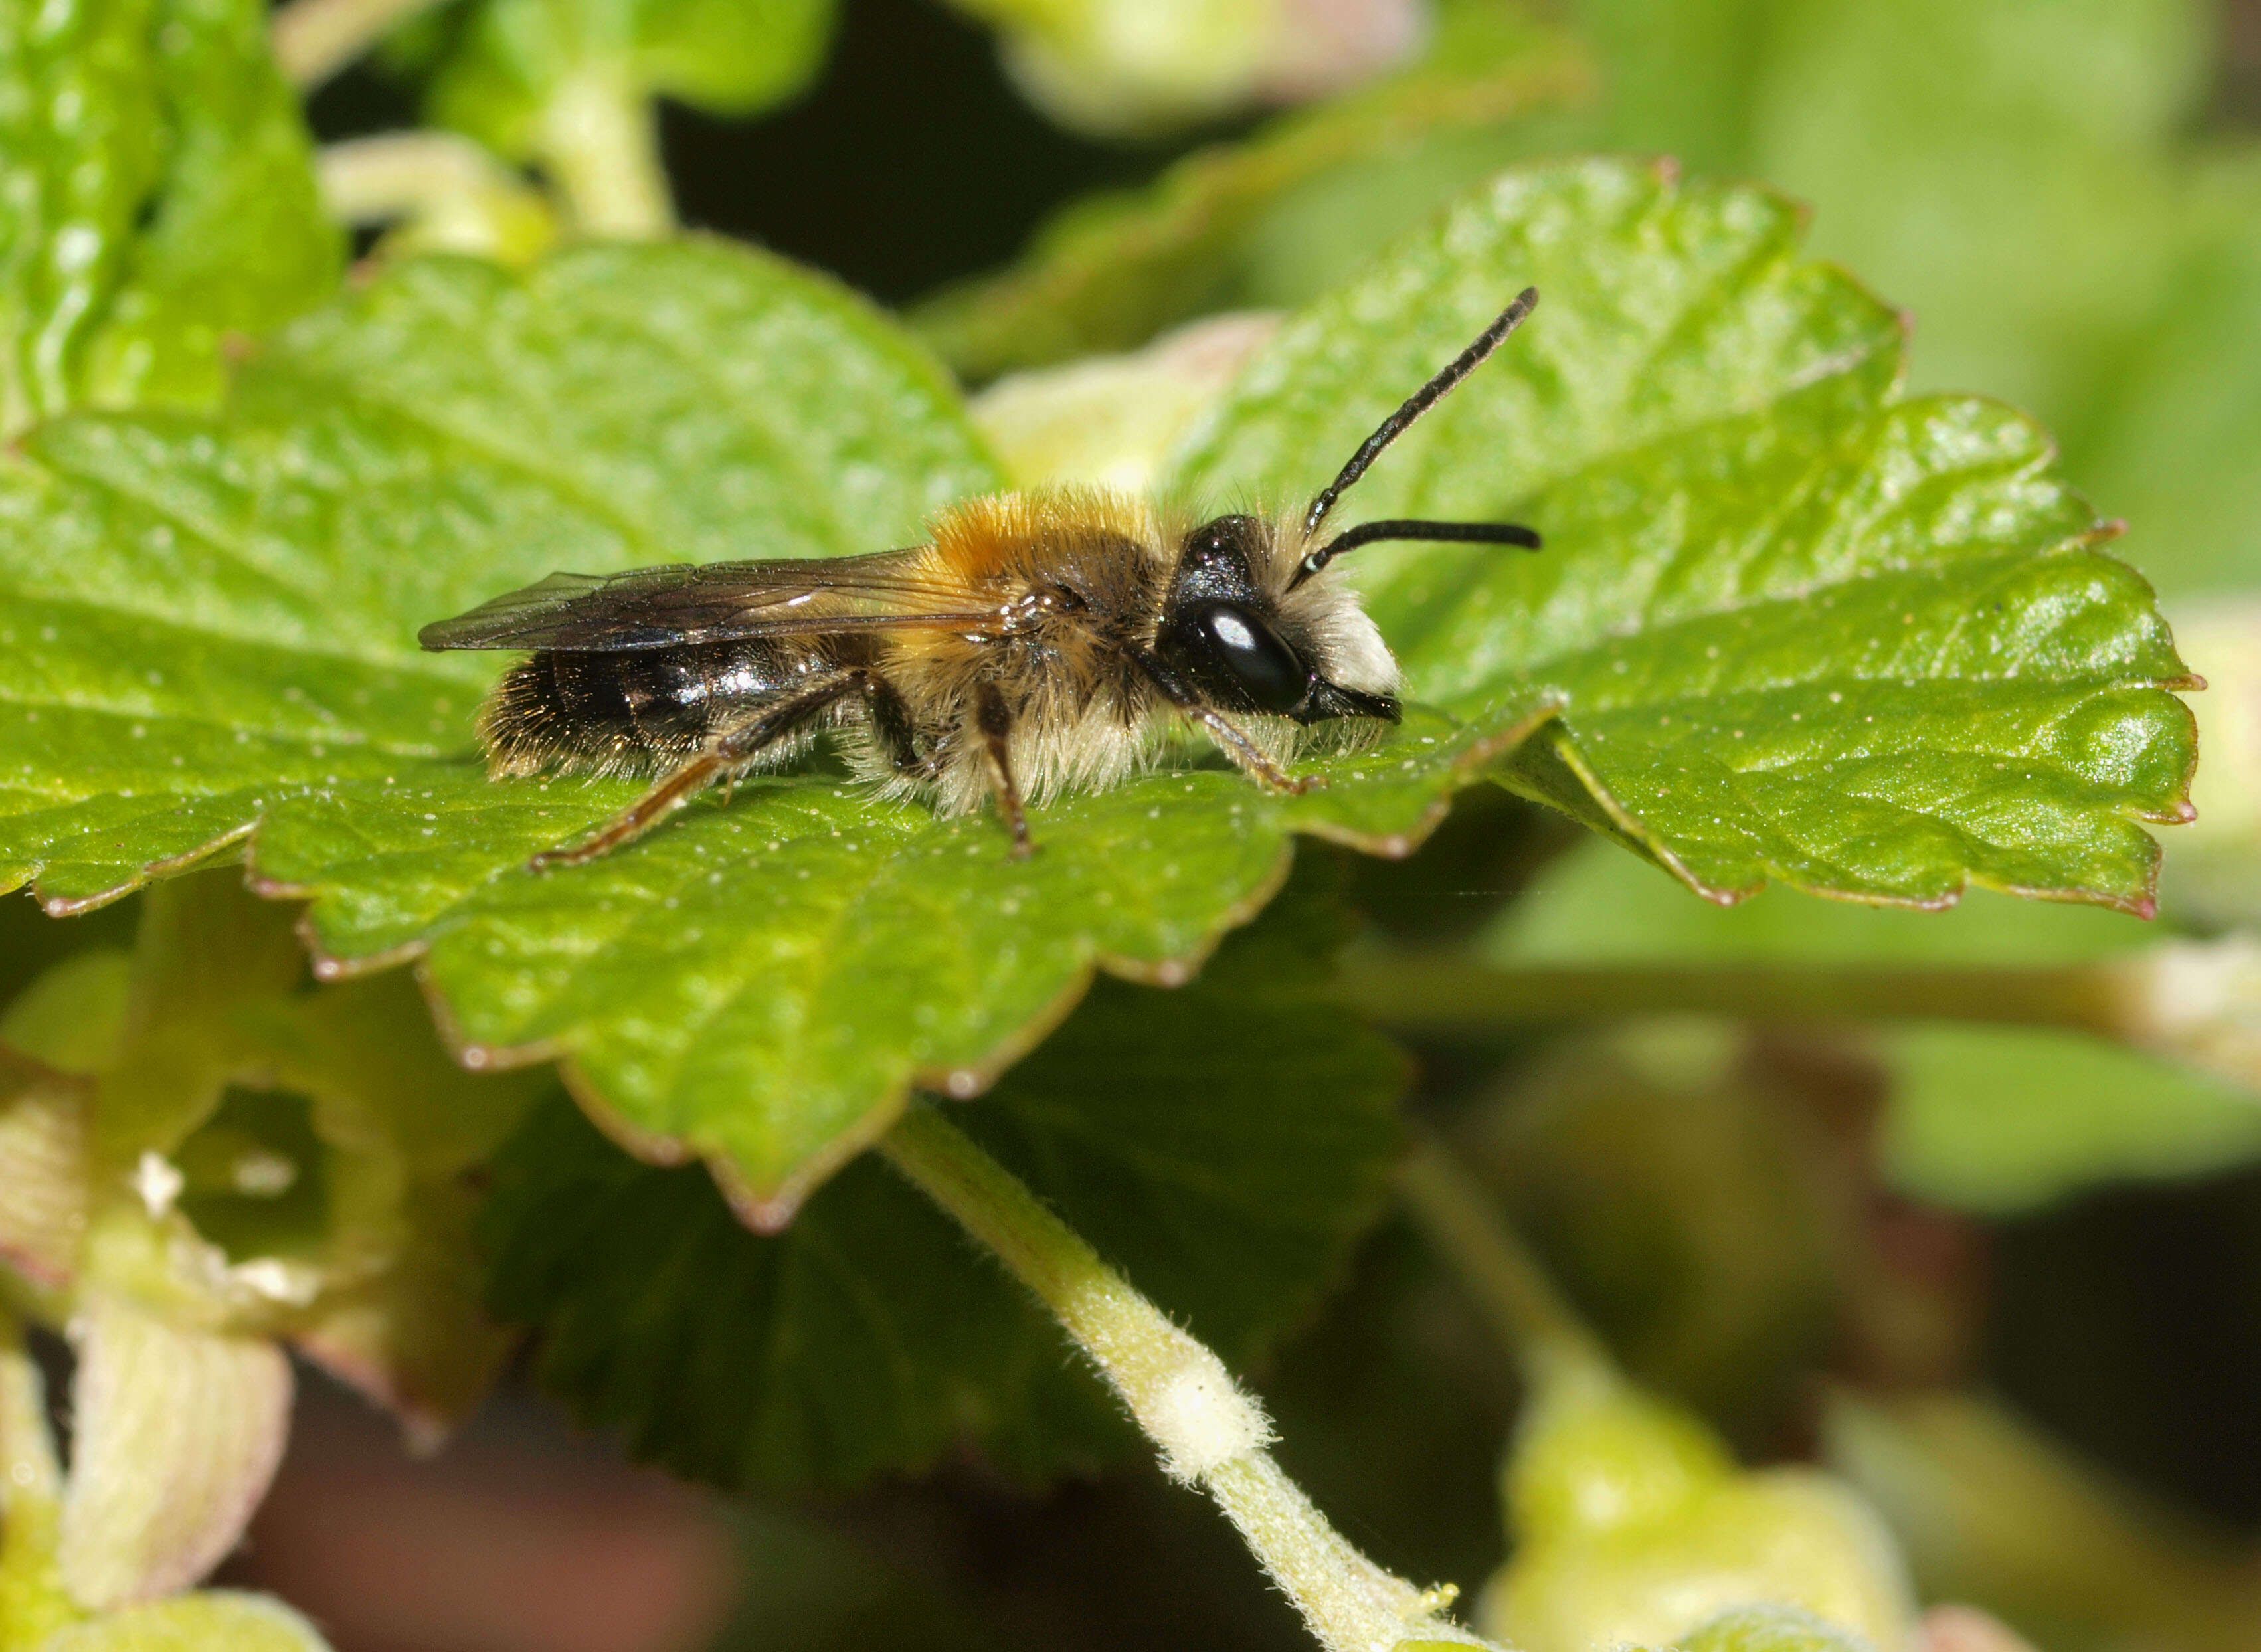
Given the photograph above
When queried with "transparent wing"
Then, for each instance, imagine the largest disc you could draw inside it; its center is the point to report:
(712, 602)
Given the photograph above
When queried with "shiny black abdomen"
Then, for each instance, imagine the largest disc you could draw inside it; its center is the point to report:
(635, 710)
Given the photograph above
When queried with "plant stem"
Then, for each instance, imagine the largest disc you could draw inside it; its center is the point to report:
(400, 174)
(1541, 1331)
(447, 192)
(601, 144)
(314, 38)
(1211, 1434)
(1447, 992)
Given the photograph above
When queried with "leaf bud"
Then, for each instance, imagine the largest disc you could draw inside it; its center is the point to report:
(1634, 1526)
(1113, 421)
(1123, 67)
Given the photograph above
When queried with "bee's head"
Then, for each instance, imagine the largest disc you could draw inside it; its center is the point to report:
(1232, 626)
(1253, 626)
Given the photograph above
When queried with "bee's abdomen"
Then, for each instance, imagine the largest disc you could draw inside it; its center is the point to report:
(629, 711)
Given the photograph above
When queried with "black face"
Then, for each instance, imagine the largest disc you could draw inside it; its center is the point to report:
(1218, 631)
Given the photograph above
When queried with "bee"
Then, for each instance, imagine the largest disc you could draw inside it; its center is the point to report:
(1040, 643)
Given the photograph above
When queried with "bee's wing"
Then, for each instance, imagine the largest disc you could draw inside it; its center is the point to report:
(713, 602)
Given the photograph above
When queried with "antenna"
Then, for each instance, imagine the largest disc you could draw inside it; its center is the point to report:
(1458, 533)
(1418, 403)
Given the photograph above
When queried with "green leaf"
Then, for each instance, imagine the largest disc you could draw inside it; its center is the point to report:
(1223, 1143)
(1995, 1120)
(1795, 629)
(1590, 907)
(1110, 271)
(2007, 1121)
(516, 63)
(156, 197)
(200, 613)
(2176, 422)
(2025, 178)
(2003, 168)
(763, 981)
(457, 431)
(862, 1338)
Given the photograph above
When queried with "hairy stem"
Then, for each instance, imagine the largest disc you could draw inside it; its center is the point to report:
(314, 38)
(1447, 992)
(1543, 1334)
(601, 144)
(1210, 1433)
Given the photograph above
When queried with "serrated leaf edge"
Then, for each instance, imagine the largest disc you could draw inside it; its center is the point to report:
(2144, 906)
(771, 1211)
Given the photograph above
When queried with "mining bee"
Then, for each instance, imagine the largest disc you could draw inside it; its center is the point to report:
(1041, 643)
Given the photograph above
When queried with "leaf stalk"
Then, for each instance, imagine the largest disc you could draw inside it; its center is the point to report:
(599, 143)
(1211, 1432)
(1541, 1331)
(1413, 993)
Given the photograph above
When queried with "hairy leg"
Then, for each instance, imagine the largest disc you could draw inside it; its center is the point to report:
(1231, 738)
(994, 721)
(723, 754)
(893, 728)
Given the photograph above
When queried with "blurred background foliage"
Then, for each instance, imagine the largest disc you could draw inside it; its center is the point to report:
(2007, 1279)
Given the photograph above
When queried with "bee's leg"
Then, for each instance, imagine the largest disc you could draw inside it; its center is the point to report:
(893, 729)
(995, 722)
(1231, 739)
(673, 790)
(723, 754)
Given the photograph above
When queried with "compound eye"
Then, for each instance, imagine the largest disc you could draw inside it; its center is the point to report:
(1257, 659)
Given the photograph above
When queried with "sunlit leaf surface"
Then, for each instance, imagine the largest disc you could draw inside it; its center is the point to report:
(1787, 628)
